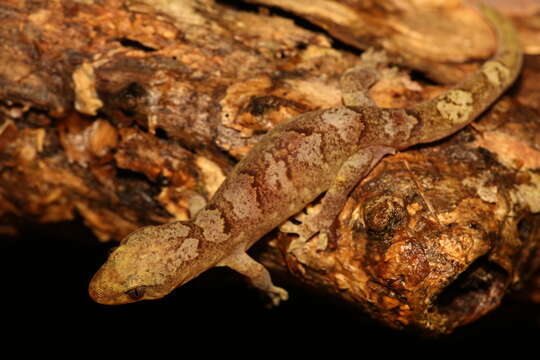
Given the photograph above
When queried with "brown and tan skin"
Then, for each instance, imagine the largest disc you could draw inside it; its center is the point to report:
(327, 151)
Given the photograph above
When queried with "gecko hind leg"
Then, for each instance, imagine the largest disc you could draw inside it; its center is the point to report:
(323, 215)
(355, 84)
(257, 274)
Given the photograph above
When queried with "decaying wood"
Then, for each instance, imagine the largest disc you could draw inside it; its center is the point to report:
(132, 113)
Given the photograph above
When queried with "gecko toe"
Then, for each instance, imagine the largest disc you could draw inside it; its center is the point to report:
(300, 224)
(277, 295)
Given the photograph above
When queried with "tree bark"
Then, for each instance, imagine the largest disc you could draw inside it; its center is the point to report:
(132, 113)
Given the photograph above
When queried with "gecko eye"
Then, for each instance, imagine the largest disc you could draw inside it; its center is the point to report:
(136, 293)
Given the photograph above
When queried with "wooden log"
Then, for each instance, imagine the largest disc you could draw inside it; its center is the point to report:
(132, 113)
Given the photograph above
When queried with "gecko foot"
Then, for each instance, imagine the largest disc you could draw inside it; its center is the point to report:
(302, 225)
(306, 224)
(277, 295)
(257, 274)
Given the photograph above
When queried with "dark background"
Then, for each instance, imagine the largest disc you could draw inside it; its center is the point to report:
(46, 270)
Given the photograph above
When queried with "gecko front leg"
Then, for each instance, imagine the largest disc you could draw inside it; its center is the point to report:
(355, 168)
(257, 274)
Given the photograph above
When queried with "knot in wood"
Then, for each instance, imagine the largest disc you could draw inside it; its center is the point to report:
(383, 215)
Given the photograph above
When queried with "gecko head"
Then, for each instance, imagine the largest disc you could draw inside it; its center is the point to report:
(149, 264)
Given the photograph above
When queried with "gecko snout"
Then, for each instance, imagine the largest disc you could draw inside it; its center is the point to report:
(104, 291)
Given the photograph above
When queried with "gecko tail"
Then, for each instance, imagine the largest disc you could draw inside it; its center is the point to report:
(456, 108)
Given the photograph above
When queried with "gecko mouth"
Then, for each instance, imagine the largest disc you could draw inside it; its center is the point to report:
(476, 291)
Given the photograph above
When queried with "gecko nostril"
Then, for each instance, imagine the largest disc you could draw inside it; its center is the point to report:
(136, 293)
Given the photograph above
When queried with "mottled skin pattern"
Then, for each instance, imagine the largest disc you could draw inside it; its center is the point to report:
(327, 151)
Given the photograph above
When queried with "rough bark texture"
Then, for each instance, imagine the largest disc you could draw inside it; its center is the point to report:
(436, 236)
(132, 113)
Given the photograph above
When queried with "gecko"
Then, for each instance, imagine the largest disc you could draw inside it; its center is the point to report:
(318, 154)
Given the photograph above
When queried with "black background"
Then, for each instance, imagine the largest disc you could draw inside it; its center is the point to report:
(47, 269)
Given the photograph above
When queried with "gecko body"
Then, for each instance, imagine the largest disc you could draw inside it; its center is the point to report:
(320, 152)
